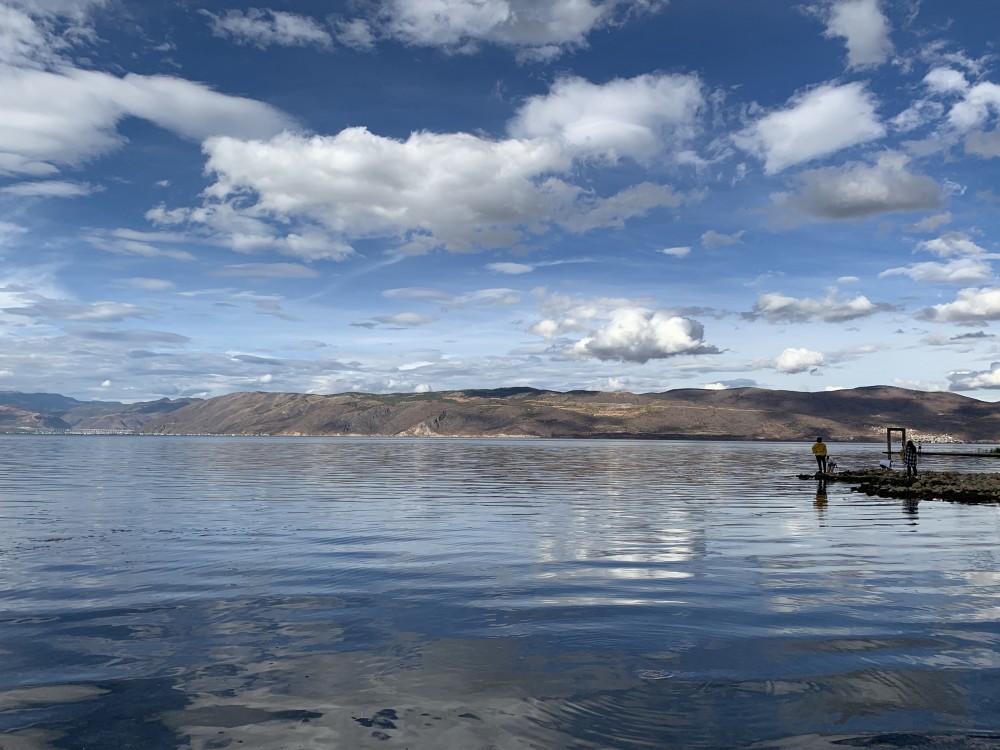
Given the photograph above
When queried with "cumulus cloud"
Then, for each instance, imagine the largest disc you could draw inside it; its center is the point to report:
(972, 305)
(458, 191)
(635, 118)
(865, 30)
(313, 197)
(978, 103)
(265, 28)
(773, 307)
(617, 329)
(639, 335)
(792, 360)
(952, 244)
(946, 81)
(536, 30)
(962, 271)
(722, 385)
(816, 123)
(972, 380)
(52, 120)
(858, 190)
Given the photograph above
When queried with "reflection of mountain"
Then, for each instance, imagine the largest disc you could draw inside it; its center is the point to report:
(738, 413)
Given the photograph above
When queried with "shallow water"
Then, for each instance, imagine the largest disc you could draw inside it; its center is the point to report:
(179, 592)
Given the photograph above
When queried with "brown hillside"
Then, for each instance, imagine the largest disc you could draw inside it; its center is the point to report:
(742, 413)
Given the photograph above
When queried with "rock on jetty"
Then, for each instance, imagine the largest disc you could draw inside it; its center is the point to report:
(953, 486)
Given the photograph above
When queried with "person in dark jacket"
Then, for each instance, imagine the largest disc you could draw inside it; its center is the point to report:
(910, 458)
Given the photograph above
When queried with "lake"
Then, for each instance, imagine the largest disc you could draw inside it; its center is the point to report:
(430, 594)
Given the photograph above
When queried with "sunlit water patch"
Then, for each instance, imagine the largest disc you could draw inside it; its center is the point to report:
(345, 593)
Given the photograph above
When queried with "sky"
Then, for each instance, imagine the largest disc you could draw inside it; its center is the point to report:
(199, 198)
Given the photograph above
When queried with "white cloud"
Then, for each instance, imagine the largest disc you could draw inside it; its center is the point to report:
(919, 113)
(224, 225)
(639, 335)
(635, 118)
(817, 123)
(416, 293)
(74, 9)
(711, 238)
(970, 380)
(774, 307)
(57, 119)
(980, 101)
(43, 308)
(537, 30)
(929, 223)
(513, 269)
(614, 211)
(963, 271)
(858, 190)
(677, 252)
(616, 329)
(946, 81)
(264, 28)
(22, 41)
(407, 319)
(485, 298)
(984, 144)
(48, 189)
(952, 244)
(144, 244)
(457, 191)
(355, 33)
(792, 360)
(152, 285)
(865, 30)
(972, 305)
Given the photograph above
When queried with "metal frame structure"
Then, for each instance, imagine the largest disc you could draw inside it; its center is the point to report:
(888, 439)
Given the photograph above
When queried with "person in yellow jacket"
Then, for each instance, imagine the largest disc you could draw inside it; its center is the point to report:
(819, 450)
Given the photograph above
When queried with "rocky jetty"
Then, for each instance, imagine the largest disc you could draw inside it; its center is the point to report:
(953, 486)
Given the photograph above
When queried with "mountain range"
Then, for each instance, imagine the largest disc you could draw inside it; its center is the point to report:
(860, 414)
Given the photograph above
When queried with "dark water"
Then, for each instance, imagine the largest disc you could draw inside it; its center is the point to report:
(425, 594)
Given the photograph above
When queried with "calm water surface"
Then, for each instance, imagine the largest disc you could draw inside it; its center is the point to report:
(438, 594)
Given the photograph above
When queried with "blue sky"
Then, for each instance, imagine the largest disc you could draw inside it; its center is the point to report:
(416, 195)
